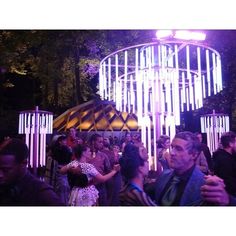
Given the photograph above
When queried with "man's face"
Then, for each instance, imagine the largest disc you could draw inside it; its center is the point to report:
(180, 159)
(9, 169)
(106, 142)
(128, 137)
(72, 132)
(98, 144)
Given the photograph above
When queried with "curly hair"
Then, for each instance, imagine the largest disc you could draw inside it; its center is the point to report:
(162, 140)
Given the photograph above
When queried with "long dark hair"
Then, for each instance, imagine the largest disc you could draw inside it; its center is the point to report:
(79, 149)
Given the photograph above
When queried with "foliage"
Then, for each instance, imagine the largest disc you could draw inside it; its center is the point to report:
(61, 66)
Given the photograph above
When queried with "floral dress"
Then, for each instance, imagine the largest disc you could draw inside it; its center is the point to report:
(84, 196)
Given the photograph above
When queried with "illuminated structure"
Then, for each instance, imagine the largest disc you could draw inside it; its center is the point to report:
(35, 124)
(214, 125)
(159, 80)
(96, 116)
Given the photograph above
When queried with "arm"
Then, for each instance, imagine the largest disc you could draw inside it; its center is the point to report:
(103, 178)
(65, 169)
(70, 168)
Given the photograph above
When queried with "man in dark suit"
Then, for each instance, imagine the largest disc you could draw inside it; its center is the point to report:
(180, 186)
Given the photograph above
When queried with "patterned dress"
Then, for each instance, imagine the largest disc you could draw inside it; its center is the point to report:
(87, 196)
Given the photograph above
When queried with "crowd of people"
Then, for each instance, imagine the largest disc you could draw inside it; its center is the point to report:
(96, 172)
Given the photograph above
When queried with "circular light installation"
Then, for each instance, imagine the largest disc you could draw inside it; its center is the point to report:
(158, 81)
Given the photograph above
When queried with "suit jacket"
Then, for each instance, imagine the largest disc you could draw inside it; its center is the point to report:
(191, 195)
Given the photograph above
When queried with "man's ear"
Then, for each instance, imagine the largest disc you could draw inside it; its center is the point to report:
(195, 155)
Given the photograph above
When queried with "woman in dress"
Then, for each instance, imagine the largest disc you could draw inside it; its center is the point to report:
(88, 195)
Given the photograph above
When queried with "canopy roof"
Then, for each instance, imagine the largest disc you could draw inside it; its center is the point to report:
(96, 115)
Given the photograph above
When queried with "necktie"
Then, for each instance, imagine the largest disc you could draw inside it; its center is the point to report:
(170, 194)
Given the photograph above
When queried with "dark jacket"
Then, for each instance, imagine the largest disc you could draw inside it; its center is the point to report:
(224, 165)
(29, 191)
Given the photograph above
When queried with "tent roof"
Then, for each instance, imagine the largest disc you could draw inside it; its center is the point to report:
(96, 115)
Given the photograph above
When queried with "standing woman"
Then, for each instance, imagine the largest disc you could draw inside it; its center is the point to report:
(134, 168)
(163, 155)
(87, 195)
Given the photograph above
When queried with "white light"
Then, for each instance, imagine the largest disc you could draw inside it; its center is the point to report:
(164, 33)
(188, 35)
(198, 36)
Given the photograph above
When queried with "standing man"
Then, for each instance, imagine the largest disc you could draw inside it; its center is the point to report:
(17, 186)
(224, 161)
(102, 163)
(180, 185)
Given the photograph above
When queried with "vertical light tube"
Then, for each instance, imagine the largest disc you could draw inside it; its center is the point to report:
(125, 81)
(182, 104)
(128, 101)
(208, 73)
(219, 73)
(199, 78)
(101, 82)
(139, 87)
(176, 100)
(132, 96)
(203, 129)
(189, 77)
(51, 126)
(214, 72)
(36, 140)
(227, 124)
(42, 148)
(136, 79)
(104, 81)
(187, 98)
(32, 133)
(168, 99)
(19, 125)
(109, 78)
(183, 97)
(149, 140)
(118, 95)
(204, 86)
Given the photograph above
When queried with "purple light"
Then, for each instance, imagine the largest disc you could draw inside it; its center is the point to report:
(188, 35)
(164, 33)
(181, 34)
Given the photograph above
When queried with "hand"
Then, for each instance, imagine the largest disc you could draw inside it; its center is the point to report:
(116, 167)
(213, 191)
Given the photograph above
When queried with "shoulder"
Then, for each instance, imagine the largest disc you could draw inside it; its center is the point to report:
(88, 168)
(38, 193)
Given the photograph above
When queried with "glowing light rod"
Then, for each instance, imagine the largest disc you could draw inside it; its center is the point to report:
(159, 80)
(35, 124)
